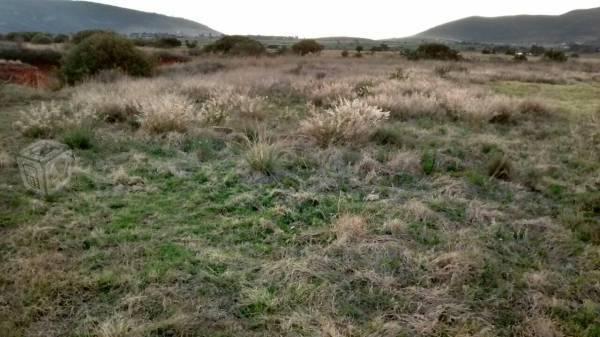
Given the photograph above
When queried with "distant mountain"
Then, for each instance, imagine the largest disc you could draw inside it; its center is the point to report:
(65, 16)
(580, 26)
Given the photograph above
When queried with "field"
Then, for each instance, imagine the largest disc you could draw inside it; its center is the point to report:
(309, 196)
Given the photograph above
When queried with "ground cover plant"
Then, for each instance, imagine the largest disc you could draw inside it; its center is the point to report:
(315, 195)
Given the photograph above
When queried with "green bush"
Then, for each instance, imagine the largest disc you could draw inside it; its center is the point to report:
(41, 39)
(236, 45)
(79, 138)
(35, 57)
(168, 42)
(555, 56)
(305, 47)
(84, 34)
(104, 51)
(191, 44)
(434, 51)
(61, 38)
(21, 36)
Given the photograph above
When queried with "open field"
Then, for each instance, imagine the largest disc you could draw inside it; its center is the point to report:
(309, 196)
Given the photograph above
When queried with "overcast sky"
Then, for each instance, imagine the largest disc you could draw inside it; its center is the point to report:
(320, 18)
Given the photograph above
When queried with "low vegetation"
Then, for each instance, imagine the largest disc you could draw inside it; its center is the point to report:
(305, 196)
(104, 51)
(306, 47)
(236, 46)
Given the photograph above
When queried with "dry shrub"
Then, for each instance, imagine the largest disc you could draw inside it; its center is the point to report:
(456, 268)
(262, 155)
(117, 326)
(45, 119)
(168, 112)
(350, 229)
(405, 161)
(539, 326)
(6, 160)
(329, 93)
(535, 108)
(418, 211)
(348, 121)
(480, 214)
(224, 104)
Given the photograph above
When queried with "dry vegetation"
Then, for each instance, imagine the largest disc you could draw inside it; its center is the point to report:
(315, 196)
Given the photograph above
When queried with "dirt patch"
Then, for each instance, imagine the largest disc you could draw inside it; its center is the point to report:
(23, 74)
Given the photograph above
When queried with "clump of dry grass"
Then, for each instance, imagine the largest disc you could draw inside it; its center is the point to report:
(222, 105)
(45, 119)
(348, 121)
(168, 112)
(262, 154)
(350, 229)
(117, 326)
(405, 161)
(6, 160)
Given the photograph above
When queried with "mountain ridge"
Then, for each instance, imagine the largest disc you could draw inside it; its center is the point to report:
(576, 26)
(63, 16)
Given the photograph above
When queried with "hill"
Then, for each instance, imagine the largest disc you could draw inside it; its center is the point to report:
(63, 16)
(579, 26)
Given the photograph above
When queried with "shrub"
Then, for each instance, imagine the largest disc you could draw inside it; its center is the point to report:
(236, 45)
(41, 39)
(35, 57)
(61, 38)
(435, 51)
(305, 47)
(105, 51)
(262, 155)
(555, 56)
(500, 167)
(348, 121)
(191, 44)
(79, 138)
(428, 162)
(84, 34)
(388, 135)
(44, 120)
(168, 42)
(520, 57)
(345, 53)
(167, 113)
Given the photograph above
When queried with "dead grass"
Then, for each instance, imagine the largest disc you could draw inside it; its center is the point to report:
(347, 121)
(278, 197)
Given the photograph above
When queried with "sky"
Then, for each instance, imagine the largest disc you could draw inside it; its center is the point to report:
(377, 19)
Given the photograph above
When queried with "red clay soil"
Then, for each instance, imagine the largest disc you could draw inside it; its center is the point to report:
(23, 74)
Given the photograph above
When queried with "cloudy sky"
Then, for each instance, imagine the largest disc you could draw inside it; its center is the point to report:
(318, 18)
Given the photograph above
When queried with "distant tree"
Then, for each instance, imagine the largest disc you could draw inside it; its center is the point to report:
(434, 51)
(84, 34)
(236, 45)
(104, 51)
(555, 56)
(359, 49)
(304, 47)
(537, 50)
(41, 38)
(61, 38)
(191, 44)
(168, 42)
